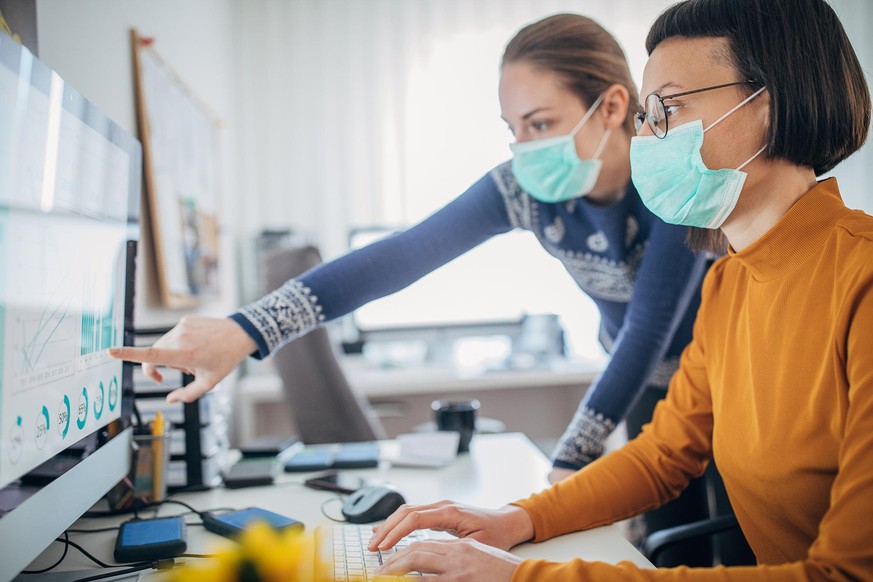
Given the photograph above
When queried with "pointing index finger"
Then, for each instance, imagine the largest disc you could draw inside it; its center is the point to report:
(149, 355)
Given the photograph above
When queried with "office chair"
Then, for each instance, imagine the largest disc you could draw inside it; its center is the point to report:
(323, 405)
(731, 548)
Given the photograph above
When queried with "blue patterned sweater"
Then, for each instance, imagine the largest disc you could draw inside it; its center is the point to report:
(636, 268)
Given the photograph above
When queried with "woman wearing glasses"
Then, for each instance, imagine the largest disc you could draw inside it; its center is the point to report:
(777, 384)
(566, 94)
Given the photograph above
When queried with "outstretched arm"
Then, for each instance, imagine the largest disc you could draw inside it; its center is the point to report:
(212, 347)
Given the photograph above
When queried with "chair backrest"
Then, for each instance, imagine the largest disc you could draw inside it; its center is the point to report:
(323, 405)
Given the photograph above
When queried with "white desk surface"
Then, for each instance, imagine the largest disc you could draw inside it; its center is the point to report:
(499, 469)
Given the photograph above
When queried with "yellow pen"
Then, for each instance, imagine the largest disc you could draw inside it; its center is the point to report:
(158, 456)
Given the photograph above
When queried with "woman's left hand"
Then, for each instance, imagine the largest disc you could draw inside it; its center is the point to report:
(462, 559)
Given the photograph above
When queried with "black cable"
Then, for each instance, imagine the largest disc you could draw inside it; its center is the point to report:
(196, 556)
(66, 541)
(177, 502)
(88, 555)
(97, 530)
(324, 513)
(131, 570)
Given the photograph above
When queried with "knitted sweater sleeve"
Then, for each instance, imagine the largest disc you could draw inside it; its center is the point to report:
(340, 286)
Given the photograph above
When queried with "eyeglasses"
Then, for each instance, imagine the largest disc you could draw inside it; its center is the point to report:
(655, 114)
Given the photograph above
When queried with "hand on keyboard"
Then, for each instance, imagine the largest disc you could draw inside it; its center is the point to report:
(500, 528)
(464, 559)
(343, 549)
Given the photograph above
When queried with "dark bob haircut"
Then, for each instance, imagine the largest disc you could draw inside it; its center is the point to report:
(819, 99)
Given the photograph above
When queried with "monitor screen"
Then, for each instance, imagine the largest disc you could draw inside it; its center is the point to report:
(69, 200)
(63, 236)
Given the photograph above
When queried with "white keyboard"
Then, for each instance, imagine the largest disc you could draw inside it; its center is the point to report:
(343, 548)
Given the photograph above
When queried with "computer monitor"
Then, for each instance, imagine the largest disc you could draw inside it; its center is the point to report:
(69, 200)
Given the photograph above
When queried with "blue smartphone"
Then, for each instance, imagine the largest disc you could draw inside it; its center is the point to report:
(232, 524)
(141, 540)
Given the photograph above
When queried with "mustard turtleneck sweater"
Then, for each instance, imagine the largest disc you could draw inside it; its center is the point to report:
(777, 386)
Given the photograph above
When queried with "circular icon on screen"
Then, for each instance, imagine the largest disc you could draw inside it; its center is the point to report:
(98, 402)
(42, 428)
(64, 417)
(113, 393)
(82, 409)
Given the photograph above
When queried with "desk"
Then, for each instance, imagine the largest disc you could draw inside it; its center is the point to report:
(499, 469)
(402, 396)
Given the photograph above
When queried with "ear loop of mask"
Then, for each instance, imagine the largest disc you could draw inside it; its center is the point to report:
(602, 144)
(587, 115)
(585, 118)
(723, 117)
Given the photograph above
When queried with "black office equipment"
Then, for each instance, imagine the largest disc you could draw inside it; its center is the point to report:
(335, 481)
(251, 473)
(269, 446)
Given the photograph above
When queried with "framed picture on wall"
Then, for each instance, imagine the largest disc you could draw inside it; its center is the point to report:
(180, 139)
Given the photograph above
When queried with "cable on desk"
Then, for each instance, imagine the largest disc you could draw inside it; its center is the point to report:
(66, 541)
(97, 530)
(131, 570)
(176, 502)
(70, 543)
(90, 556)
(190, 508)
(324, 513)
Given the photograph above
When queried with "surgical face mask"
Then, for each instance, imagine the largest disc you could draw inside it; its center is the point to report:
(675, 184)
(550, 170)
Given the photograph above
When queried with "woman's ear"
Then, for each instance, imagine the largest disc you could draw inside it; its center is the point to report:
(614, 107)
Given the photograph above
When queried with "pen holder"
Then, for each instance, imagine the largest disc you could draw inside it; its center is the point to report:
(149, 472)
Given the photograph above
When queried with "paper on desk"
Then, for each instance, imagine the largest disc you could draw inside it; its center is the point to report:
(426, 449)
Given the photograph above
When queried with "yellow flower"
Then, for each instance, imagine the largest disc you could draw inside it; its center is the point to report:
(263, 555)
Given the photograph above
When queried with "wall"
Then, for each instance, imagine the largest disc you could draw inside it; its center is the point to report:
(855, 175)
(87, 43)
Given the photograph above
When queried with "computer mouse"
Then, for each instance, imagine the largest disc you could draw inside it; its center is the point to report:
(372, 503)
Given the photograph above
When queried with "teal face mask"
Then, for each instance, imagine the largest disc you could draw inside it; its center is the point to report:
(675, 184)
(550, 170)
